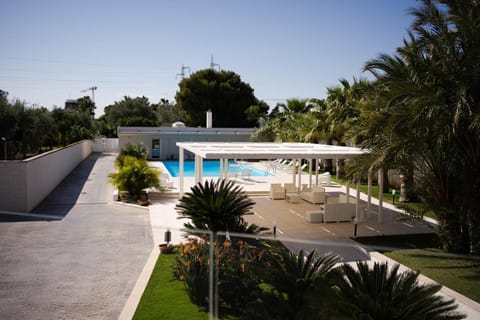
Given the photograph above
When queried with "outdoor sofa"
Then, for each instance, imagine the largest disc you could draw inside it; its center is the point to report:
(313, 194)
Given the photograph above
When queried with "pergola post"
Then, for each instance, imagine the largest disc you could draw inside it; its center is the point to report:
(316, 171)
(222, 174)
(380, 194)
(298, 169)
(357, 204)
(198, 169)
(181, 168)
(294, 173)
(369, 188)
(225, 167)
(310, 172)
(348, 189)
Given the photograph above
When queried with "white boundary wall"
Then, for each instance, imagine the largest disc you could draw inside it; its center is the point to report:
(24, 184)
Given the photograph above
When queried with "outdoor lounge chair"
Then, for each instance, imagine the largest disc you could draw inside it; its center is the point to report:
(165, 181)
(277, 191)
(290, 188)
(246, 173)
(324, 179)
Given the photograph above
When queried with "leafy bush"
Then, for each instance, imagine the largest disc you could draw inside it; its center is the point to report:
(137, 150)
(236, 266)
(134, 175)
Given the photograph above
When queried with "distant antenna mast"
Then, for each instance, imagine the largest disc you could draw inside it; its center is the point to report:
(182, 73)
(212, 64)
(93, 90)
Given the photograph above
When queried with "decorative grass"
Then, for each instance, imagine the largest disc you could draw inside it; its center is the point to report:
(165, 297)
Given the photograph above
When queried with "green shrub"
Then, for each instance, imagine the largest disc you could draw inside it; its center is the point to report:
(134, 175)
(236, 268)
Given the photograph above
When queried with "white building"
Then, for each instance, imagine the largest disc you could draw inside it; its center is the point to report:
(162, 141)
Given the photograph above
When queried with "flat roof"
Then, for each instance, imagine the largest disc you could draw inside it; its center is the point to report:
(182, 130)
(262, 150)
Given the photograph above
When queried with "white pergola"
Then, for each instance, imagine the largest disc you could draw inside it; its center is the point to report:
(224, 151)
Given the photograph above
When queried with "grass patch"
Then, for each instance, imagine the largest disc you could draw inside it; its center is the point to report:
(416, 251)
(416, 207)
(165, 297)
(458, 272)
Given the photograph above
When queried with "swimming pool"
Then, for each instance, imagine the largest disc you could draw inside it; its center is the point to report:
(211, 168)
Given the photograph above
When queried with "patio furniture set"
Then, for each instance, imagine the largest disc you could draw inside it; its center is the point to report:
(331, 209)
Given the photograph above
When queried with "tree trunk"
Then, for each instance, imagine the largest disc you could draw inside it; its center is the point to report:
(472, 199)
(340, 168)
(328, 163)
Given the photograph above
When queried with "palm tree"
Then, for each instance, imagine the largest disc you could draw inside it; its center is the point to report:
(343, 109)
(379, 294)
(300, 287)
(430, 89)
(217, 205)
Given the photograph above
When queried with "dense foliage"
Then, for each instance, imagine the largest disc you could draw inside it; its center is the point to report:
(420, 116)
(225, 94)
(272, 282)
(134, 175)
(28, 131)
(425, 115)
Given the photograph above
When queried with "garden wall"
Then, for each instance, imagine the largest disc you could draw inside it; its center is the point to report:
(24, 184)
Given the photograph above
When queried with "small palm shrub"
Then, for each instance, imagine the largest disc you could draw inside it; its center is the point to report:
(133, 176)
(298, 287)
(379, 293)
(217, 205)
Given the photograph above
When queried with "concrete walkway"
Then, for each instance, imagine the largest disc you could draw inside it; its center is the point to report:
(83, 265)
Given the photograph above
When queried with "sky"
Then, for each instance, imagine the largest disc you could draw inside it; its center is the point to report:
(51, 50)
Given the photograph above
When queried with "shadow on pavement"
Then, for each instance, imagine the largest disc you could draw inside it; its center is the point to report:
(61, 200)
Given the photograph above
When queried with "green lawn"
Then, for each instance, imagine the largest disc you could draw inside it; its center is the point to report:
(459, 273)
(388, 197)
(165, 297)
(418, 252)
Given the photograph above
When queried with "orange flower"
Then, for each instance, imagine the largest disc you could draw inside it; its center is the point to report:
(181, 278)
(193, 247)
(226, 244)
(186, 249)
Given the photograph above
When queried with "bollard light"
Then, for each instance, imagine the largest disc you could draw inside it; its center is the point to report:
(274, 228)
(393, 196)
(167, 236)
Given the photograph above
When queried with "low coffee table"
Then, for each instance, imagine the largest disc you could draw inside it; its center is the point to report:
(292, 197)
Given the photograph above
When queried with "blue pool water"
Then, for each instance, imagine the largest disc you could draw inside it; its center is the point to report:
(211, 168)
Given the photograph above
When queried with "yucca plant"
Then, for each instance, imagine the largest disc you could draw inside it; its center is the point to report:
(381, 294)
